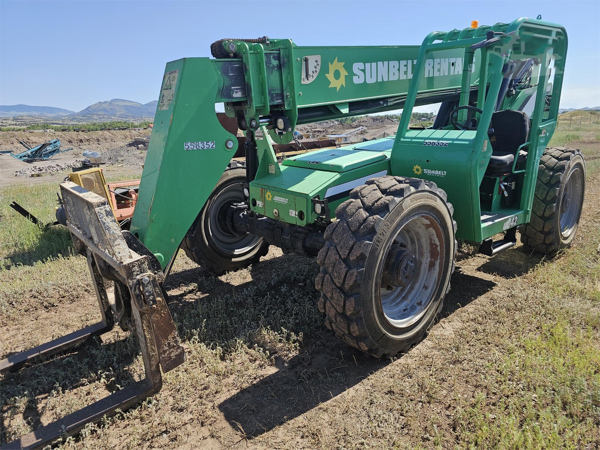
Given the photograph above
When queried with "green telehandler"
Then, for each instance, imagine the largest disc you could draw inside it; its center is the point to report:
(382, 217)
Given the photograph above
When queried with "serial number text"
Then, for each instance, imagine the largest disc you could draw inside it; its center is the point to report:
(200, 145)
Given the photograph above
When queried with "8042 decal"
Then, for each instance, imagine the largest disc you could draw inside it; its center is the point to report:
(200, 145)
(510, 223)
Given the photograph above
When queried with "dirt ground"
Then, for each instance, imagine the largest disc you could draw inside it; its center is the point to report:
(111, 144)
(288, 383)
(290, 399)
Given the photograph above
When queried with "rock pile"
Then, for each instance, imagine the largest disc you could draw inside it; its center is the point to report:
(34, 171)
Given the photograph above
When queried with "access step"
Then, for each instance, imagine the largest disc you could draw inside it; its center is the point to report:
(490, 247)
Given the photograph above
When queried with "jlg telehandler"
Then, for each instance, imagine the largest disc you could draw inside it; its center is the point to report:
(383, 216)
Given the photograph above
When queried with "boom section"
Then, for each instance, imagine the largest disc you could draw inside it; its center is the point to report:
(277, 79)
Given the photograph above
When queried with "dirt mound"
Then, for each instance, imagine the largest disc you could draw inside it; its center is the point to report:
(375, 121)
(580, 113)
(99, 141)
(377, 126)
(127, 156)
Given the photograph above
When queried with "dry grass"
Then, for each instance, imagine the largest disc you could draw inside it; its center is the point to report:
(513, 363)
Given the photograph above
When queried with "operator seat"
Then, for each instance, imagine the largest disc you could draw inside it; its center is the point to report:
(511, 130)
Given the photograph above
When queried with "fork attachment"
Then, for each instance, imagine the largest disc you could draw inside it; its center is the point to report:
(138, 303)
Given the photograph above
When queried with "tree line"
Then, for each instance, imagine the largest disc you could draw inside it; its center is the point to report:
(95, 126)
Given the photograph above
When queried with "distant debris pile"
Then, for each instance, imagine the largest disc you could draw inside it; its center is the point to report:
(37, 171)
(348, 136)
(124, 156)
(140, 142)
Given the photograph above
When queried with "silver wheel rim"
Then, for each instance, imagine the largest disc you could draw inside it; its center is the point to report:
(413, 267)
(570, 203)
(221, 237)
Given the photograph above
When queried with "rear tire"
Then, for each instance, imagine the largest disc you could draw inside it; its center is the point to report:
(209, 243)
(386, 264)
(558, 201)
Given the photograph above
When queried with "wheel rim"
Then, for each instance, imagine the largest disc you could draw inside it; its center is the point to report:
(412, 270)
(222, 238)
(570, 203)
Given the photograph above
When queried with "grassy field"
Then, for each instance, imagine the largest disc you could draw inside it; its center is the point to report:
(514, 361)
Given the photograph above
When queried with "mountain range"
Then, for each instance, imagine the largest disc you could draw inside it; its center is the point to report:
(113, 109)
(562, 110)
(26, 110)
(123, 109)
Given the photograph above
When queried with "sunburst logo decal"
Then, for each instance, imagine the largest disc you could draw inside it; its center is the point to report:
(340, 81)
(417, 170)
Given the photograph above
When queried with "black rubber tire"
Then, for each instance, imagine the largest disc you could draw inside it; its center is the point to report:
(356, 246)
(203, 248)
(543, 232)
(217, 50)
(61, 215)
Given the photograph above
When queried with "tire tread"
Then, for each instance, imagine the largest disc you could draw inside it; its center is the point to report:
(342, 259)
(540, 233)
(194, 251)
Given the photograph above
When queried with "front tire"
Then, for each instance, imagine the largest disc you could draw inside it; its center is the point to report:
(386, 265)
(210, 243)
(558, 201)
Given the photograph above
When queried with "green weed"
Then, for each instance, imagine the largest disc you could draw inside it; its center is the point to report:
(562, 138)
(550, 394)
(545, 391)
(22, 242)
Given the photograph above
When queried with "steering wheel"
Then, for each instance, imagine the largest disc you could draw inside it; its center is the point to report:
(460, 126)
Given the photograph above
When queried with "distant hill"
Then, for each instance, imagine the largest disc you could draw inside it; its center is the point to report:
(563, 110)
(117, 109)
(582, 116)
(27, 110)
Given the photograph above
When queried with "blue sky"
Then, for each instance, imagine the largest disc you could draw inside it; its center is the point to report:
(70, 54)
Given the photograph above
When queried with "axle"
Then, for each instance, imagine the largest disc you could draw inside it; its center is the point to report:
(302, 240)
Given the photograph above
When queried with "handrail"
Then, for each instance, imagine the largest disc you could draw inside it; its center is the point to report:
(512, 170)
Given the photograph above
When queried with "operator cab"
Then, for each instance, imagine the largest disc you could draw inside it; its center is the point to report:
(488, 135)
(509, 128)
(508, 131)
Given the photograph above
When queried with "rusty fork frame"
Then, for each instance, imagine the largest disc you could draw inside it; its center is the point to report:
(139, 304)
